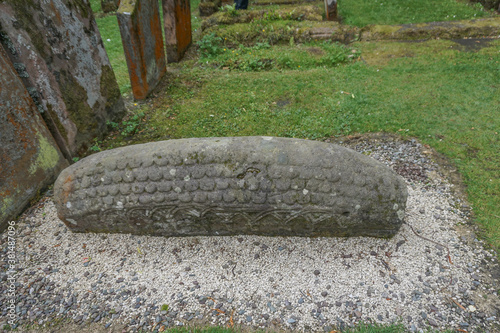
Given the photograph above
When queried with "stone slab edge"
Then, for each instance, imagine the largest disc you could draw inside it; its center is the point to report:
(30, 159)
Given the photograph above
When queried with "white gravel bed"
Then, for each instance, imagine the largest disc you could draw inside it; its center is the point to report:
(317, 284)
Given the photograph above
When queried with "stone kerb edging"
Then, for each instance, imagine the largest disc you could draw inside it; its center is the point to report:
(305, 31)
(489, 27)
(228, 186)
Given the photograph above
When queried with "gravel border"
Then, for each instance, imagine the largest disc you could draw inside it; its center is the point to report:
(290, 283)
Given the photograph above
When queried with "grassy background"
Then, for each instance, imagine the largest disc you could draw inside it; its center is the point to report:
(364, 12)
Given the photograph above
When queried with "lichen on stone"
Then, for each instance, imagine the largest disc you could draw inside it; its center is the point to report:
(47, 157)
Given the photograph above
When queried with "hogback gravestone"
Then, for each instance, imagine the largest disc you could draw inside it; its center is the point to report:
(229, 186)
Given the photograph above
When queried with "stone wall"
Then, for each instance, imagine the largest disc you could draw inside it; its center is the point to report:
(58, 52)
(29, 156)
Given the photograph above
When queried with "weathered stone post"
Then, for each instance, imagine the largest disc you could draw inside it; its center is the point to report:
(57, 51)
(140, 28)
(331, 10)
(29, 157)
(177, 25)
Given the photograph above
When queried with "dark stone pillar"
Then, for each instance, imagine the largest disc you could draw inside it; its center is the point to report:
(177, 24)
(331, 10)
(29, 157)
(140, 28)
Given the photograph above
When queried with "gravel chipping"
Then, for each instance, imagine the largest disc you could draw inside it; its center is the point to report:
(319, 284)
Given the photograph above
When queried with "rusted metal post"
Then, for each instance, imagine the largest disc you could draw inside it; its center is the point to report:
(140, 28)
(177, 25)
(331, 10)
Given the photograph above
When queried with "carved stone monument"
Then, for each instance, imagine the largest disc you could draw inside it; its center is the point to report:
(177, 24)
(229, 186)
(140, 28)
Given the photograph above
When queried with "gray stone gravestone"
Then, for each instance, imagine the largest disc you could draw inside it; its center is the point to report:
(229, 186)
(140, 28)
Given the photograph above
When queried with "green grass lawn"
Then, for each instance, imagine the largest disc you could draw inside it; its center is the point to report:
(364, 12)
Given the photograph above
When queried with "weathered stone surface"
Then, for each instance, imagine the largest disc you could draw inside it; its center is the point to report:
(298, 13)
(140, 28)
(208, 7)
(59, 55)
(29, 157)
(331, 10)
(489, 27)
(109, 6)
(177, 25)
(228, 186)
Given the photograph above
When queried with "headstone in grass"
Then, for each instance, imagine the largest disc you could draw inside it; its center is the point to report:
(141, 32)
(229, 186)
(331, 10)
(177, 25)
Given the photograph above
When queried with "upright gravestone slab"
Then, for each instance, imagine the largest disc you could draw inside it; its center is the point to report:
(331, 10)
(57, 50)
(141, 32)
(109, 6)
(228, 186)
(29, 157)
(177, 24)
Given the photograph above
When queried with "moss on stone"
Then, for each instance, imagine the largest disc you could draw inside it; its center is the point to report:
(126, 6)
(280, 32)
(443, 30)
(47, 157)
(111, 93)
(79, 111)
(207, 8)
(296, 13)
(24, 21)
